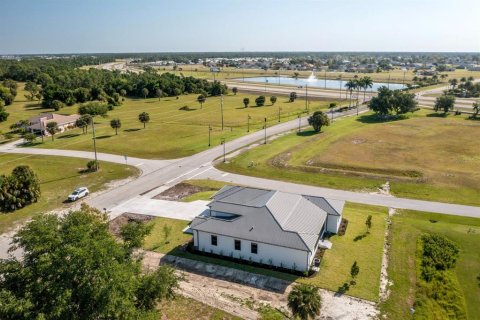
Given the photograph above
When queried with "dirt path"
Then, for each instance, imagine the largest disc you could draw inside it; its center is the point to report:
(385, 283)
(242, 300)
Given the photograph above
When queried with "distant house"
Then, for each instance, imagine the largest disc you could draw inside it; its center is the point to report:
(266, 226)
(38, 124)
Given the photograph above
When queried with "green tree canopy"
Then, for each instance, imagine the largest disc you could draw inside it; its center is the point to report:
(73, 268)
(260, 101)
(246, 102)
(144, 117)
(392, 101)
(273, 99)
(52, 128)
(93, 109)
(444, 103)
(201, 99)
(304, 301)
(318, 120)
(116, 124)
(19, 189)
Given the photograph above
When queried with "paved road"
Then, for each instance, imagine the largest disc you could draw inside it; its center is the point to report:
(463, 104)
(357, 197)
(158, 174)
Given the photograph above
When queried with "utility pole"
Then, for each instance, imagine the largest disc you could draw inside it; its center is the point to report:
(248, 123)
(221, 107)
(299, 123)
(265, 126)
(389, 81)
(266, 81)
(95, 144)
(403, 82)
(279, 109)
(325, 78)
(223, 143)
(209, 132)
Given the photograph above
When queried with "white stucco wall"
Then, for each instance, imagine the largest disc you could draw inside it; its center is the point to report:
(333, 223)
(280, 256)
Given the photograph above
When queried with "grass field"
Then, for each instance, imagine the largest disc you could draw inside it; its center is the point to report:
(407, 227)
(336, 262)
(58, 176)
(182, 308)
(424, 157)
(171, 133)
(234, 73)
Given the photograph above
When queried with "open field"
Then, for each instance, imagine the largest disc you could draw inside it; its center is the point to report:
(58, 176)
(171, 133)
(424, 157)
(397, 75)
(407, 227)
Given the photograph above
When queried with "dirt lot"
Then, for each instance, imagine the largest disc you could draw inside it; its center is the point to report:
(179, 191)
(242, 300)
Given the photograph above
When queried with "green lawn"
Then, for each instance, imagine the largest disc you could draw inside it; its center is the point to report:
(335, 268)
(424, 157)
(336, 262)
(174, 133)
(181, 308)
(407, 227)
(58, 176)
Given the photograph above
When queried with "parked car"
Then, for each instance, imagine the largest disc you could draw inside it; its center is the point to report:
(78, 193)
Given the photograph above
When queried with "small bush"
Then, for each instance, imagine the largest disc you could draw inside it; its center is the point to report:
(92, 165)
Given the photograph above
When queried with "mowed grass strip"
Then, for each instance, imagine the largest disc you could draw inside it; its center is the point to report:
(355, 245)
(407, 227)
(424, 157)
(174, 133)
(58, 176)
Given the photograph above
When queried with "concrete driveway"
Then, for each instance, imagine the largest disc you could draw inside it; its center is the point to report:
(161, 208)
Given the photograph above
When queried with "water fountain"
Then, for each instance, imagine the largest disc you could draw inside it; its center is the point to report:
(312, 77)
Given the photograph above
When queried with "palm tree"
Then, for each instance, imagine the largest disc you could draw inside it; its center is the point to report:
(453, 83)
(351, 85)
(304, 301)
(115, 124)
(144, 117)
(367, 83)
(201, 99)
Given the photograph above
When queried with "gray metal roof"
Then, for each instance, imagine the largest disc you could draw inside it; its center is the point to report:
(273, 217)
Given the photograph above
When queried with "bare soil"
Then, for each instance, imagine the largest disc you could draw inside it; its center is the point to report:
(115, 225)
(179, 191)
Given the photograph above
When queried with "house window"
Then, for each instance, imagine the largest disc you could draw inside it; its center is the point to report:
(214, 240)
(254, 248)
(238, 245)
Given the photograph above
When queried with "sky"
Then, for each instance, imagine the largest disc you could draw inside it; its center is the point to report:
(91, 26)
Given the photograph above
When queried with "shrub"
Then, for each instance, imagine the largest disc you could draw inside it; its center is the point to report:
(19, 189)
(92, 165)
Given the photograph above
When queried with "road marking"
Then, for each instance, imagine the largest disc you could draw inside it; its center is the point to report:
(200, 173)
(225, 174)
(139, 164)
(180, 176)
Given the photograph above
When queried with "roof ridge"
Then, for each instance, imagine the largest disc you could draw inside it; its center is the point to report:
(290, 231)
(323, 198)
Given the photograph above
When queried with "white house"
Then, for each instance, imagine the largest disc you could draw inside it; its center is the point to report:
(38, 124)
(266, 226)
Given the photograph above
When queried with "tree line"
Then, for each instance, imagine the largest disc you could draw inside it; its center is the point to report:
(62, 82)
